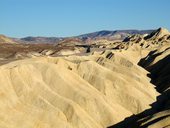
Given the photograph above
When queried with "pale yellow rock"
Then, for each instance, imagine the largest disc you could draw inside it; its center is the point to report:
(65, 92)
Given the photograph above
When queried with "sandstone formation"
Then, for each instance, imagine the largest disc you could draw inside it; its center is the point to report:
(157, 63)
(119, 84)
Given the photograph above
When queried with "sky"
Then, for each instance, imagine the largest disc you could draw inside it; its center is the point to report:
(61, 18)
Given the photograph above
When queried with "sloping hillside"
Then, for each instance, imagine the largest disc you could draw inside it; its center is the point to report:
(157, 63)
(4, 39)
(92, 91)
(124, 85)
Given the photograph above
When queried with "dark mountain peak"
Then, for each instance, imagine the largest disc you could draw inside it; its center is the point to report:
(29, 38)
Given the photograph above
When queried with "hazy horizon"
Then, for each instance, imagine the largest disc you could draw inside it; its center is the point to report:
(62, 18)
(78, 34)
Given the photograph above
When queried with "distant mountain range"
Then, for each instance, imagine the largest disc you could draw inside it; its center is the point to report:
(117, 34)
(110, 35)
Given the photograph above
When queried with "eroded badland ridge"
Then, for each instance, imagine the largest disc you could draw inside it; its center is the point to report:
(98, 84)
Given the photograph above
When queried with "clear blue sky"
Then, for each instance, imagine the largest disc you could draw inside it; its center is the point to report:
(20, 18)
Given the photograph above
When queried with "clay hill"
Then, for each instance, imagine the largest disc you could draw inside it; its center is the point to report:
(157, 63)
(105, 83)
(4, 39)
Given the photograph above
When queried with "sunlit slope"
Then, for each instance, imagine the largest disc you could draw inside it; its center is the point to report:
(92, 91)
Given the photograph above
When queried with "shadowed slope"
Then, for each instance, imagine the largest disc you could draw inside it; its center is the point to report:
(157, 63)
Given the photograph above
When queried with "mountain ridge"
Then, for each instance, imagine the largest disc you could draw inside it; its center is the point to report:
(103, 34)
(111, 33)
